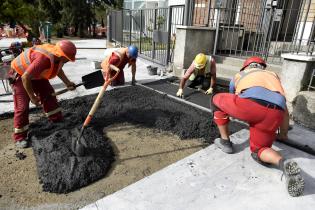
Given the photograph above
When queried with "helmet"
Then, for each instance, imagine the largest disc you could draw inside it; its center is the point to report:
(67, 49)
(200, 61)
(254, 59)
(133, 51)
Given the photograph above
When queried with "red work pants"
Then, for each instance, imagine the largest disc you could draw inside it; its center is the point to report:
(120, 79)
(263, 121)
(43, 89)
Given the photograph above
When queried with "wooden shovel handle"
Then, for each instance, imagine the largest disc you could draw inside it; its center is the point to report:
(65, 90)
(99, 97)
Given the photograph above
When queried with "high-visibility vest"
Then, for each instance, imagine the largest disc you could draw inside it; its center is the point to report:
(254, 77)
(105, 63)
(22, 62)
(206, 70)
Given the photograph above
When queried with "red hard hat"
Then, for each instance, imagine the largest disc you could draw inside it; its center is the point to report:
(67, 49)
(253, 59)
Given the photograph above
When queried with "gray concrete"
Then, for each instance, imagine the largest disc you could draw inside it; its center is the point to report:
(211, 179)
(295, 75)
(304, 109)
(190, 41)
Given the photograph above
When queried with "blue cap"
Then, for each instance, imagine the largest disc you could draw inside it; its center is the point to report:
(133, 51)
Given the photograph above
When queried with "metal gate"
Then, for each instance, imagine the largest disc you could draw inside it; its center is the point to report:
(152, 30)
(259, 27)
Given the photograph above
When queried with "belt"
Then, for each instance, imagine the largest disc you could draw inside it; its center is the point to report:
(266, 104)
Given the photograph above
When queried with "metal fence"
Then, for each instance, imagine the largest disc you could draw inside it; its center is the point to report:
(152, 30)
(259, 27)
(244, 28)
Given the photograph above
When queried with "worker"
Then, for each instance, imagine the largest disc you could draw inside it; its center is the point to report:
(120, 58)
(202, 72)
(17, 47)
(29, 76)
(258, 99)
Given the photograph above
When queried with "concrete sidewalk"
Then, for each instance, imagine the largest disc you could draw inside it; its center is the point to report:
(211, 179)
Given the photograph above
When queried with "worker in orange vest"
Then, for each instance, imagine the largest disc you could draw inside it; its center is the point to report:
(202, 72)
(30, 72)
(120, 58)
(257, 97)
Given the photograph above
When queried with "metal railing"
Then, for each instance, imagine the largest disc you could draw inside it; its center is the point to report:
(152, 30)
(259, 27)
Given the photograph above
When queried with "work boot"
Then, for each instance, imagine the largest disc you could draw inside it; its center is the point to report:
(225, 145)
(294, 180)
(21, 144)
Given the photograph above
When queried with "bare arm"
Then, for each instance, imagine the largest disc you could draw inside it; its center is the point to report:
(27, 83)
(133, 72)
(182, 83)
(65, 80)
(284, 127)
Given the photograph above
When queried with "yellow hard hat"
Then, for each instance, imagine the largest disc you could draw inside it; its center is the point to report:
(200, 61)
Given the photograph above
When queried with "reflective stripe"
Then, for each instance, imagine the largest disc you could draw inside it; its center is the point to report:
(21, 130)
(26, 57)
(220, 118)
(48, 114)
(19, 63)
(45, 52)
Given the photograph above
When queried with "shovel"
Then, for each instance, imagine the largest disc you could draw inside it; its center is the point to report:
(89, 81)
(78, 145)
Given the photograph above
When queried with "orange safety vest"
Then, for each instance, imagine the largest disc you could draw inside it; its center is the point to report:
(22, 62)
(257, 77)
(105, 63)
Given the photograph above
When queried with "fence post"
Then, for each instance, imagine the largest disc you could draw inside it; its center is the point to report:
(130, 26)
(140, 30)
(169, 35)
(109, 27)
(188, 13)
(154, 27)
(217, 31)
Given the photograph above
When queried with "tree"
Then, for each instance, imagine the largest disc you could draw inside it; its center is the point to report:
(23, 12)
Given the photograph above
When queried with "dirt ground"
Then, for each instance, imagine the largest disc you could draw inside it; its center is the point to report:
(139, 152)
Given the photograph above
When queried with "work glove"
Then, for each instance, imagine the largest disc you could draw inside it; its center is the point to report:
(209, 91)
(180, 93)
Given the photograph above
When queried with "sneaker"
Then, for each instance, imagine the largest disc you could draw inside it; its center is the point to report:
(225, 145)
(21, 144)
(294, 180)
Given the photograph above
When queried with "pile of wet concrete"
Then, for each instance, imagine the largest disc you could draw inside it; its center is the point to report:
(61, 171)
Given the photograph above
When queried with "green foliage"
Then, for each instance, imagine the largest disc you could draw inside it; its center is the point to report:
(160, 20)
(23, 12)
(62, 13)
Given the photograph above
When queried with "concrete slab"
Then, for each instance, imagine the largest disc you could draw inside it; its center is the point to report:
(211, 179)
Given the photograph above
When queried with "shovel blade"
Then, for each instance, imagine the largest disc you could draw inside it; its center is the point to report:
(78, 142)
(93, 80)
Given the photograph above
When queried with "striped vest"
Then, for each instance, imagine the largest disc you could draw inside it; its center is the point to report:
(105, 63)
(259, 78)
(22, 62)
